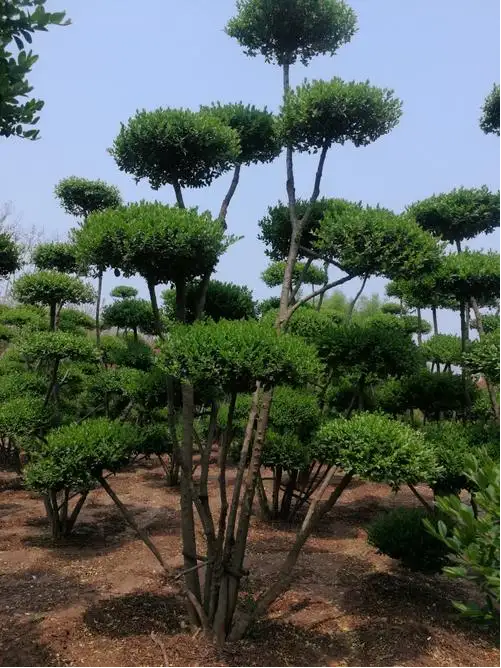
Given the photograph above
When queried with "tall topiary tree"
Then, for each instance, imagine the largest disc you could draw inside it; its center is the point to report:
(80, 197)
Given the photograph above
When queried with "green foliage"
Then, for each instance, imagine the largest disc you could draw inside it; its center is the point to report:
(443, 348)
(256, 128)
(52, 287)
(233, 355)
(390, 397)
(294, 411)
(284, 31)
(135, 314)
(313, 326)
(71, 320)
(490, 323)
(421, 291)
(378, 448)
(175, 146)
(267, 305)
(483, 356)
(55, 255)
(20, 20)
(273, 275)
(223, 301)
(371, 241)
(474, 540)
(436, 393)
(489, 121)
(415, 325)
(25, 317)
(471, 274)
(322, 113)
(276, 227)
(124, 351)
(162, 243)
(22, 416)
(392, 308)
(461, 214)
(124, 292)
(451, 443)
(51, 346)
(401, 534)
(155, 439)
(80, 197)
(75, 455)
(21, 383)
(373, 348)
(10, 253)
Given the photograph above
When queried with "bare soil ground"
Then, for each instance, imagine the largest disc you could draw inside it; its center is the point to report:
(96, 599)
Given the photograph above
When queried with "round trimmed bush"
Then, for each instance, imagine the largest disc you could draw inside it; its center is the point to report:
(401, 534)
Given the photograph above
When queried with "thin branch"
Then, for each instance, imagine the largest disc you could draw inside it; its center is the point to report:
(228, 197)
(316, 185)
(356, 298)
(320, 291)
(301, 277)
(420, 498)
(162, 647)
(193, 568)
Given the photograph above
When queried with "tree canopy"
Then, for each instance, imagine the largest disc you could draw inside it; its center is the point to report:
(489, 121)
(322, 113)
(461, 214)
(10, 255)
(55, 255)
(223, 301)
(284, 31)
(175, 146)
(80, 197)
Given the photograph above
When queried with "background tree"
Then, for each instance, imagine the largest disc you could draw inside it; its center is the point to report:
(56, 255)
(489, 121)
(223, 301)
(20, 20)
(130, 314)
(124, 292)
(80, 197)
(52, 289)
(10, 255)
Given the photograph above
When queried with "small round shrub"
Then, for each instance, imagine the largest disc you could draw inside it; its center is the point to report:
(401, 534)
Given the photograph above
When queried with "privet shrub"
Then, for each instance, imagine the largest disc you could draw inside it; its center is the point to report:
(401, 534)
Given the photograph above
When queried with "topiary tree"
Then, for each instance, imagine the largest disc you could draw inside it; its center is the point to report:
(20, 20)
(124, 292)
(371, 446)
(464, 213)
(55, 256)
(52, 289)
(223, 359)
(223, 301)
(81, 197)
(10, 255)
(161, 243)
(489, 121)
(130, 314)
(304, 273)
(443, 349)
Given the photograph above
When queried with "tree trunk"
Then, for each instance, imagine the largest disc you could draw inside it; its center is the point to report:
(98, 305)
(285, 575)
(490, 388)
(154, 307)
(435, 319)
(52, 316)
(179, 195)
(464, 345)
(181, 300)
(192, 580)
(277, 481)
(419, 324)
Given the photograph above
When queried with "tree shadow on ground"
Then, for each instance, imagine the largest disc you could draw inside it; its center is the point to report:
(37, 590)
(136, 614)
(21, 646)
(103, 529)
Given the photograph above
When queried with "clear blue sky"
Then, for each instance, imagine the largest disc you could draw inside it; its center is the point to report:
(440, 56)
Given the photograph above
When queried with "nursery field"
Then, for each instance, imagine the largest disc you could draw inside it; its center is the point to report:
(99, 597)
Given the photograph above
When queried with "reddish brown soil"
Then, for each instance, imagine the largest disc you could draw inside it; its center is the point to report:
(96, 600)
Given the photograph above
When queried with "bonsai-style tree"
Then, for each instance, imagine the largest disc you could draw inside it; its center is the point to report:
(443, 349)
(304, 273)
(489, 121)
(10, 255)
(130, 314)
(20, 20)
(124, 292)
(80, 197)
(57, 256)
(223, 301)
(52, 289)
(464, 213)
(163, 244)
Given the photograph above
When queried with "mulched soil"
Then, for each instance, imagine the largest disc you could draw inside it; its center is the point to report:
(100, 599)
